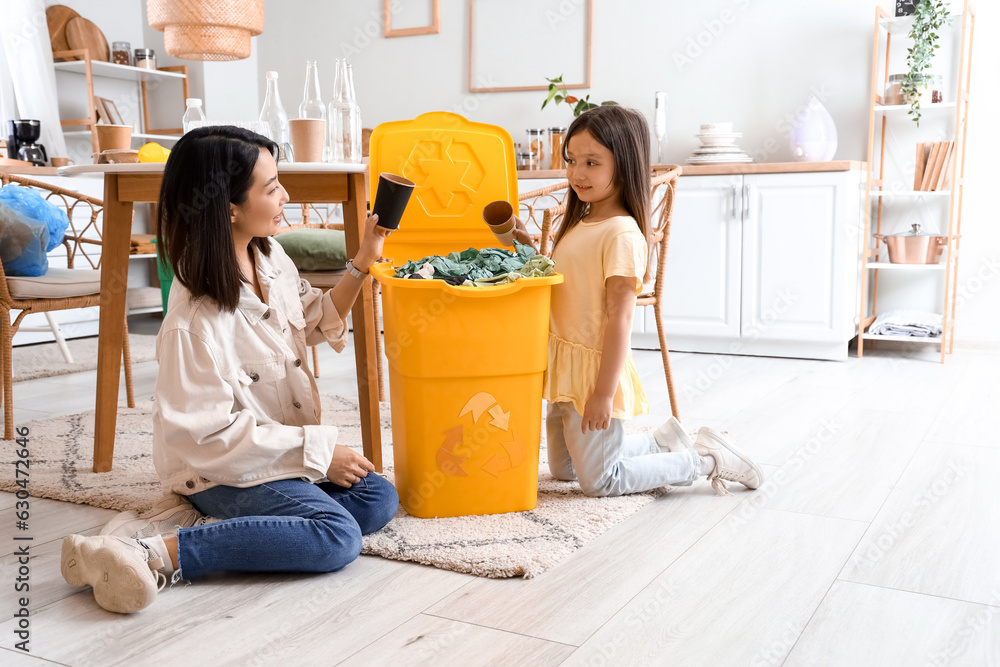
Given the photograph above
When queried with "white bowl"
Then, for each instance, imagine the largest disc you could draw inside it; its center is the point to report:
(717, 127)
(722, 139)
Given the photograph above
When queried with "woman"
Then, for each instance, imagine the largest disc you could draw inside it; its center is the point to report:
(236, 422)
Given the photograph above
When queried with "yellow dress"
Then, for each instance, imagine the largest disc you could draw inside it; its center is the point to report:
(587, 256)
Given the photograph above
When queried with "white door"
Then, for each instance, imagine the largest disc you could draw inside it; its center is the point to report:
(792, 277)
(702, 280)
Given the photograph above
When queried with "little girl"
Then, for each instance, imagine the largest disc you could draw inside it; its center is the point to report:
(592, 384)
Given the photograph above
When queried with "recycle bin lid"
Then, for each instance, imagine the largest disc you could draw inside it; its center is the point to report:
(458, 166)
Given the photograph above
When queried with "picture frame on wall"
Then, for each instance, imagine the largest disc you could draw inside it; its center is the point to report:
(402, 11)
(518, 44)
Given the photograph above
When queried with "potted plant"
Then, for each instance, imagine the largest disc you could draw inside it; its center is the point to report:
(929, 17)
(562, 95)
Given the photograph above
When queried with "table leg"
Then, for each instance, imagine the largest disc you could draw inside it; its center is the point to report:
(114, 282)
(363, 315)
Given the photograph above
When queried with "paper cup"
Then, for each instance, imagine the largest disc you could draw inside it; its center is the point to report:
(499, 215)
(391, 197)
(114, 137)
(307, 138)
(61, 162)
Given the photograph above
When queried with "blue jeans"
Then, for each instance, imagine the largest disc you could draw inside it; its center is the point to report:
(609, 462)
(284, 526)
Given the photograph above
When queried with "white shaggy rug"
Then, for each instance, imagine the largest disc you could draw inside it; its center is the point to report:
(43, 360)
(499, 545)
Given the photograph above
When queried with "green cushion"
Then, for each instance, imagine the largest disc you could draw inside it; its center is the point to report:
(315, 249)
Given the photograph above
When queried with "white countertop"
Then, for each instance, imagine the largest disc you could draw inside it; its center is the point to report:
(157, 168)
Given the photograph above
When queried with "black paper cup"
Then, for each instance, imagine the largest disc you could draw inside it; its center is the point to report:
(391, 197)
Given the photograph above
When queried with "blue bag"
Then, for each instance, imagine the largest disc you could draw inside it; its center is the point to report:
(22, 244)
(29, 228)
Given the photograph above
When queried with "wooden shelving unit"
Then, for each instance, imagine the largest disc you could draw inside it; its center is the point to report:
(885, 28)
(92, 69)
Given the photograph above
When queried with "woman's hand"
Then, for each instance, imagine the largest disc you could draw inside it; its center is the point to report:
(347, 467)
(596, 413)
(371, 244)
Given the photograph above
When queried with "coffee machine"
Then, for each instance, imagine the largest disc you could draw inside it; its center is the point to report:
(22, 141)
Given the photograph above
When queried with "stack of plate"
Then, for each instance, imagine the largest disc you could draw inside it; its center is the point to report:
(718, 145)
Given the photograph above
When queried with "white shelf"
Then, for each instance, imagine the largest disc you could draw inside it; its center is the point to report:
(903, 339)
(135, 135)
(912, 193)
(911, 267)
(142, 256)
(924, 108)
(113, 71)
(900, 25)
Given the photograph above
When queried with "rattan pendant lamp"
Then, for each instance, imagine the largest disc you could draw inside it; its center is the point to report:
(207, 29)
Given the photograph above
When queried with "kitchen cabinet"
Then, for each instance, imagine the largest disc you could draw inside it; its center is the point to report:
(762, 264)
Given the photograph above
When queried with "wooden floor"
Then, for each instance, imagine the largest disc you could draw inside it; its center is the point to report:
(876, 541)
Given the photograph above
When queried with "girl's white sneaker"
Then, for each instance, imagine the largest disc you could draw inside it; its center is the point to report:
(671, 437)
(730, 464)
(122, 571)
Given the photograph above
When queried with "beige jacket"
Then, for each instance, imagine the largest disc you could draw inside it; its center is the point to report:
(235, 403)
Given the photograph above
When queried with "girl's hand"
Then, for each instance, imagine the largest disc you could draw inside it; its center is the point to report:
(347, 467)
(521, 234)
(371, 244)
(597, 413)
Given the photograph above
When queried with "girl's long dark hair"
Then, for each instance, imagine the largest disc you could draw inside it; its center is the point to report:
(625, 133)
(209, 169)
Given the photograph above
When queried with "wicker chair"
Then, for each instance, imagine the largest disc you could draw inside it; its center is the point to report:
(663, 179)
(59, 289)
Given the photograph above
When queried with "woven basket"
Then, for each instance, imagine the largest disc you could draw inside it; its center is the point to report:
(207, 29)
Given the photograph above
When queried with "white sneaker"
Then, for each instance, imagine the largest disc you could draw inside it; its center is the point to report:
(730, 464)
(172, 512)
(122, 571)
(671, 437)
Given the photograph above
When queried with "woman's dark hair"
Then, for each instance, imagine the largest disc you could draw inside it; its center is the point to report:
(209, 169)
(625, 133)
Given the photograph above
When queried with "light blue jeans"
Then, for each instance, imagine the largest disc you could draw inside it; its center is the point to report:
(286, 526)
(610, 463)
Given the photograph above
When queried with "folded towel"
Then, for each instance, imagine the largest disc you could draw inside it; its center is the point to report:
(901, 322)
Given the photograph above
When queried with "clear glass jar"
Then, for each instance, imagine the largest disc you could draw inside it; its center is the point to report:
(931, 94)
(121, 53)
(536, 144)
(526, 161)
(145, 58)
(556, 137)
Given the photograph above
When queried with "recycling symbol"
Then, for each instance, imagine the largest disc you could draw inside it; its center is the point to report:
(447, 174)
(460, 452)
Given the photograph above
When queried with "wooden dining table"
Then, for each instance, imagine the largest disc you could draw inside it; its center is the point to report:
(128, 184)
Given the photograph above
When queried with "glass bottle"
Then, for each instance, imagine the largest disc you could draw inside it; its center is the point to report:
(192, 114)
(312, 103)
(660, 125)
(274, 115)
(345, 117)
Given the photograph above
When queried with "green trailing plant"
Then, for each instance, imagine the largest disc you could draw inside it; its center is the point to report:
(929, 17)
(557, 95)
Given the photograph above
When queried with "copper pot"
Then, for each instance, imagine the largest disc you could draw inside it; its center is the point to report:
(914, 246)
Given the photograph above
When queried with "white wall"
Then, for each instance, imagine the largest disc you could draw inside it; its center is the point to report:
(752, 62)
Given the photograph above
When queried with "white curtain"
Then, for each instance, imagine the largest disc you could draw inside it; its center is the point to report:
(27, 77)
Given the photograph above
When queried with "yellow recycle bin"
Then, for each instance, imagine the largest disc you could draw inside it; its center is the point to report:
(465, 379)
(466, 364)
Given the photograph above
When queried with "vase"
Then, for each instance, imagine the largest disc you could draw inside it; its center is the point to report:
(814, 135)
